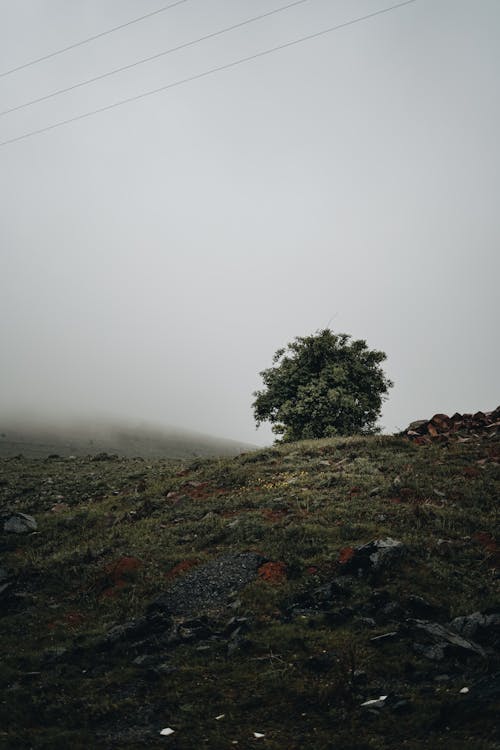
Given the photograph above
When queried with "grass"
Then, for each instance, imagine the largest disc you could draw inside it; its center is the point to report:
(111, 533)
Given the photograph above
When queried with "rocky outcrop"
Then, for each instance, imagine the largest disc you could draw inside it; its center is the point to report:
(458, 427)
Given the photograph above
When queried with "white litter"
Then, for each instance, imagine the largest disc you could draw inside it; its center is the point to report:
(375, 701)
(464, 690)
(167, 731)
(219, 717)
(258, 735)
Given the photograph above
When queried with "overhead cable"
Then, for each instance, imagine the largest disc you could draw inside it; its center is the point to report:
(206, 73)
(153, 57)
(91, 38)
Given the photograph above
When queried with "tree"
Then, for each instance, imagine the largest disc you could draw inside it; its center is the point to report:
(322, 385)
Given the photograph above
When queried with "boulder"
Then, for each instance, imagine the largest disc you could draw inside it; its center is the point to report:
(484, 629)
(372, 557)
(20, 523)
(435, 641)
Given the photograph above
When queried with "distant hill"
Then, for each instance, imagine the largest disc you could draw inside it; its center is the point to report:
(37, 440)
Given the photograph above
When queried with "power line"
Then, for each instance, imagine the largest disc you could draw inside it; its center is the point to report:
(91, 38)
(206, 73)
(153, 57)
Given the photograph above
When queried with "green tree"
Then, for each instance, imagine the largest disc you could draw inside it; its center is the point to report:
(322, 385)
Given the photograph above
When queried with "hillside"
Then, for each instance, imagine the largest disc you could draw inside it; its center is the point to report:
(331, 594)
(38, 440)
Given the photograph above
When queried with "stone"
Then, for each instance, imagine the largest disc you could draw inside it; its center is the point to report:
(373, 557)
(20, 523)
(419, 607)
(134, 630)
(484, 629)
(319, 599)
(435, 641)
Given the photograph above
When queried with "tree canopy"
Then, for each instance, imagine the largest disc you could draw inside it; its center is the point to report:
(322, 385)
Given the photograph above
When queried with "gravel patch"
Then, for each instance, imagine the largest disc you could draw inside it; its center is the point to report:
(209, 586)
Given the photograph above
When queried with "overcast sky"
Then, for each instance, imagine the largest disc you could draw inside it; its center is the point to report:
(154, 256)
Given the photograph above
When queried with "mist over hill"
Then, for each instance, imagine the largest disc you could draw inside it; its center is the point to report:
(37, 438)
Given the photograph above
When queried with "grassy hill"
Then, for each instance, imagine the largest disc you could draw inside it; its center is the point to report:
(39, 440)
(230, 598)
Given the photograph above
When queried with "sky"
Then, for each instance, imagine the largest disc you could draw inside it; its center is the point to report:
(153, 257)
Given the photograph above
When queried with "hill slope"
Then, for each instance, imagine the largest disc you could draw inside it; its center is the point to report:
(34, 440)
(308, 593)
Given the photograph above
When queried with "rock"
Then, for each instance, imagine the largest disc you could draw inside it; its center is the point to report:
(373, 557)
(319, 599)
(134, 630)
(145, 660)
(441, 422)
(20, 523)
(194, 630)
(436, 642)
(392, 611)
(366, 622)
(419, 607)
(165, 668)
(359, 676)
(443, 428)
(126, 631)
(484, 629)
(418, 425)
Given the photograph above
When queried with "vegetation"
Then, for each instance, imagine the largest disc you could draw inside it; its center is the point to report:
(322, 385)
(115, 533)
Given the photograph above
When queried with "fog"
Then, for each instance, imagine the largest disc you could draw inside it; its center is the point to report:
(154, 256)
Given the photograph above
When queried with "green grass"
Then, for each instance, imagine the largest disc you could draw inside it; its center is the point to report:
(297, 504)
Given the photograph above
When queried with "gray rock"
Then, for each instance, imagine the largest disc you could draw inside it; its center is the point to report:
(374, 556)
(483, 628)
(420, 608)
(20, 523)
(435, 641)
(382, 551)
